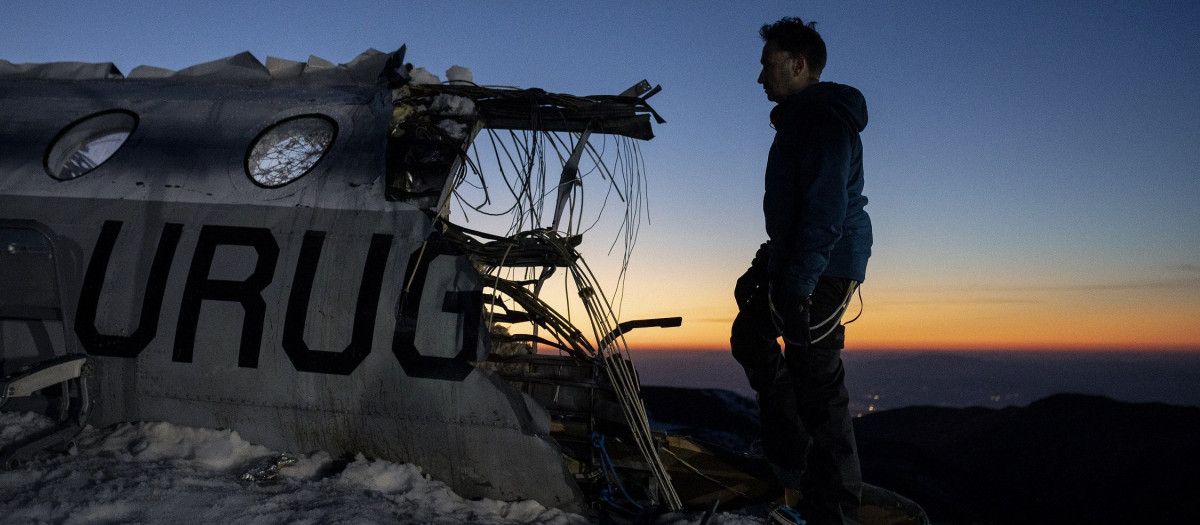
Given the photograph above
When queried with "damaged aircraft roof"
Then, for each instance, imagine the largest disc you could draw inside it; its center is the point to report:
(627, 114)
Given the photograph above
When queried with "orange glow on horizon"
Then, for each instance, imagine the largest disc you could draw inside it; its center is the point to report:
(1053, 320)
(944, 311)
(963, 347)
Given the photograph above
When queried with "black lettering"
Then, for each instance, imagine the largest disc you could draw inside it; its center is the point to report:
(344, 362)
(248, 293)
(96, 343)
(468, 303)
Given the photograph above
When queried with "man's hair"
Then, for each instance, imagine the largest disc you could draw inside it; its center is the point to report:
(791, 34)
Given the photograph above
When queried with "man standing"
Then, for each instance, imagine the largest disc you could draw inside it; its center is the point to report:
(802, 279)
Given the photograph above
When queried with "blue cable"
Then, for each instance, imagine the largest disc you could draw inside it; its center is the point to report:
(606, 466)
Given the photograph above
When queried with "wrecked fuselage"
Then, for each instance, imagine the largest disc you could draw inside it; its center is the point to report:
(268, 249)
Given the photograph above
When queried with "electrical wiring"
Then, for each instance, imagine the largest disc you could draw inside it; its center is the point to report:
(580, 138)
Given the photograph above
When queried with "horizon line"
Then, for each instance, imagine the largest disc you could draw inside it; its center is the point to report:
(963, 349)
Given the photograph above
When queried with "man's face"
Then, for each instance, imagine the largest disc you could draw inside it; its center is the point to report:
(783, 74)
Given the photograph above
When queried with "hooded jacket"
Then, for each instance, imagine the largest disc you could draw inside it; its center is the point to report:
(814, 206)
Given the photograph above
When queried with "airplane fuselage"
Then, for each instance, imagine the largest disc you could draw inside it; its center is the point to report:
(312, 315)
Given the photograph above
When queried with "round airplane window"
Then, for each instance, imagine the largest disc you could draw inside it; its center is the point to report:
(289, 149)
(89, 142)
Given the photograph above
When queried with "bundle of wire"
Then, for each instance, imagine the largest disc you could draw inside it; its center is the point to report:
(521, 160)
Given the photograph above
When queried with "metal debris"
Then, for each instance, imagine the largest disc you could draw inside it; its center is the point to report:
(266, 474)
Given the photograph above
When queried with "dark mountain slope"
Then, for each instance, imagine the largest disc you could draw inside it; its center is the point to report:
(1064, 459)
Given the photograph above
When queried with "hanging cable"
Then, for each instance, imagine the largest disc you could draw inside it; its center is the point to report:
(834, 318)
(520, 158)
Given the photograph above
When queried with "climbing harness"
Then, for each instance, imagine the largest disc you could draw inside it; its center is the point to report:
(836, 316)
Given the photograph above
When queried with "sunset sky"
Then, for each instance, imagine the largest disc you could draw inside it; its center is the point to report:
(1033, 168)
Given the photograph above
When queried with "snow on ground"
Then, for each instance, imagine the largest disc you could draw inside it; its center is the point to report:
(164, 473)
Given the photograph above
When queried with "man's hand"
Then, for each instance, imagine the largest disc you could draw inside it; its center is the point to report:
(791, 315)
(746, 288)
(755, 278)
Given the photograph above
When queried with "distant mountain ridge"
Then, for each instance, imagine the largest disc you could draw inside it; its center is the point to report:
(1067, 458)
(884, 380)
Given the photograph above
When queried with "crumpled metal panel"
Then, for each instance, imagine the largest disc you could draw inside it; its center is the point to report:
(363, 69)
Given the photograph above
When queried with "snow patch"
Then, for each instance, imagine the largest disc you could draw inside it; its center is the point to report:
(457, 130)
(423, 76)
(383, 476)
(450, 105)
(164, 473)
(15, 425)
(459, 75)
(455, 75)
(202, 447)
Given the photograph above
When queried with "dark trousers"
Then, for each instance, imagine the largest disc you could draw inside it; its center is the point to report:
(803, 404)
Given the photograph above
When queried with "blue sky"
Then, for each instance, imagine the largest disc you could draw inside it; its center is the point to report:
(1028, 164)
